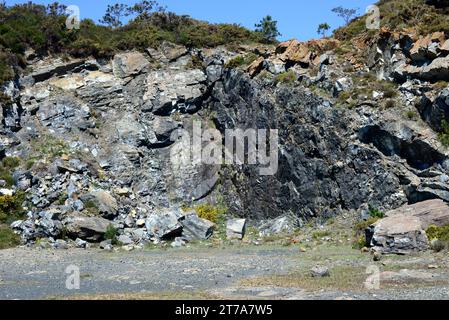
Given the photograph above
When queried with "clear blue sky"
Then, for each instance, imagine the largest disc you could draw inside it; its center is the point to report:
(296, 18)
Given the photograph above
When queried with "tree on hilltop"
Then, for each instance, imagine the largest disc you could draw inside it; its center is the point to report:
(346, 14)
(323, 28)
(268, 28)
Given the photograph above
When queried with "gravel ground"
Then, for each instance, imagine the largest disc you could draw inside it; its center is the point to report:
(27, 273)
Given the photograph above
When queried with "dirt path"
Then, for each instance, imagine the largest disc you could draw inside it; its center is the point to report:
(234, 272)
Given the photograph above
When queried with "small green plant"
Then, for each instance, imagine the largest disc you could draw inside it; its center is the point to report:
(91, 207)
(443, 136)
(439, 236)
(441, 84)
(4, 99)
(11, 207)
(235, 62)
(111, 234)
(317, 235)
(390, 93)
(49, 147)
(7, 166)
(411, 115)
(61, 199)
(288, 77)
(440, 233)
(8, 238)
(359, 232)
(266, 76)
(195, 63)
(375, 212)
(359, 242)
(240, 61)
(390, 103)
(29, 164)
(210, 212)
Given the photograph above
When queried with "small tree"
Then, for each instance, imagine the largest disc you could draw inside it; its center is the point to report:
(56, 9)
(345, 13)
(114, 15)
(268, 28)
(323, 28)
(145, 8)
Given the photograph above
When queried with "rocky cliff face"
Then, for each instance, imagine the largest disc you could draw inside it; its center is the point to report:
(95, 137)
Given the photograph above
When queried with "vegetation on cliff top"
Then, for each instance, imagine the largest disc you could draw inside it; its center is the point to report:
(43, 28)
(399, 15)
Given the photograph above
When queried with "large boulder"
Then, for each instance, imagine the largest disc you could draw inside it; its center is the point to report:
(403, 230)
(235, 229)
(195, 228)
(427, 47)
(435, 71)
(435, 108)
(163, 225)
(279, 225)
(103, 201)
(57, 67)
(431, 212)
(129, 64)
(86, 228)
(399, 234)
(172, 51)
(294, 51)
(256, 67)
(131, 131)
(171, 89)
(167, 52)
(162, 128)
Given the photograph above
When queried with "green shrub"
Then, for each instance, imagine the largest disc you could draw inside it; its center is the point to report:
(439, 236)
(317, 235)
(8, 238)
(6, 61)
(441, 84)
(91, 208)
(440, 233)
(235, 62)
(411, 115)
(398, 15)
(359, 242)
(11, 207)
(240, 61)
(195, 63)
(4, 99)
(375, 213)
(210, 212)
(359, 232)
(10, 162)
(111, 234)
(363, 225)
(443, 136)
(48, 146)
(7, 166)
(288, 77)
(390, 103)
(390, 93)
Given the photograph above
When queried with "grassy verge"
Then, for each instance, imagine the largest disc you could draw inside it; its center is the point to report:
(8, 238)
